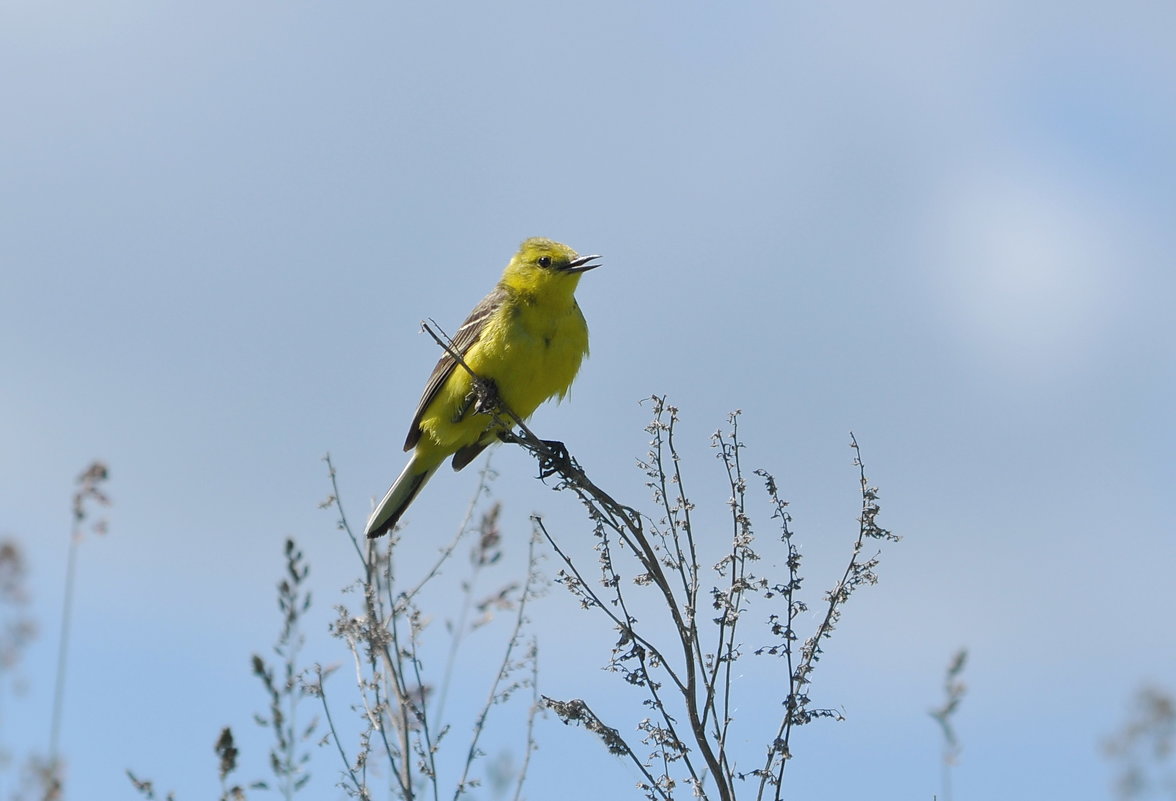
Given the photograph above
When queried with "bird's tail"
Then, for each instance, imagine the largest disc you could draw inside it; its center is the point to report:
(400, 495)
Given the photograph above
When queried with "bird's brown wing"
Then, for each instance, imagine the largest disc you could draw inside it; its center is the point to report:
(465, 337)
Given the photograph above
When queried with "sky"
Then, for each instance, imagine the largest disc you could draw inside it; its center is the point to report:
(946, 228)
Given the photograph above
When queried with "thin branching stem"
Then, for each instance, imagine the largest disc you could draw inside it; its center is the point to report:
(578, 711)
(357, 782)
(857, 573)
(62, 649)
(505, 668)
(343, 524)
(733, 602)
(532, 713)
(622, 623)
(477, 562)
(447, 550)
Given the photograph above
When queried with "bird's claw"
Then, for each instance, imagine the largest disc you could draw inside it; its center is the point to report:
(486, 397)
(555, 459)
(558, 459)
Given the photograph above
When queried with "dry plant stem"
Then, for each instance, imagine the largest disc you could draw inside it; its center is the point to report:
(856, 573)
(686, 568)
(373, 712)
(681, 526)
(89, 491)
(580, 711)
(678, 517)
(779, 749)
(445, 552)
(463, 529)
(953, 690)
(714, 669)
(458, 636)
(407, 708)
(534, 710)
(627, 524)
(343, 524)
(385, 643)
(689, 572)
(624, 623)
(504, 669)
(632, 533)
(725, 649)
(62, 647)
(1143, 746)
(398, 653)
(281, 682)
(376, 636)
(357, 782)
(401, 692)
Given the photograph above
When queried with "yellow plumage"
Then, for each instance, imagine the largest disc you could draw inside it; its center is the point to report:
(528, 336)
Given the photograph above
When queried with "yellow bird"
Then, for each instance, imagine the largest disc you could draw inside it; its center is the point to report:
(528, 337)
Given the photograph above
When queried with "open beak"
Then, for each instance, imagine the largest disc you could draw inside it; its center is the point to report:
(580, 265)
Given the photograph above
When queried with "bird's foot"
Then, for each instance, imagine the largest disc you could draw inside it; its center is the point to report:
(487, 399)
(556, 460)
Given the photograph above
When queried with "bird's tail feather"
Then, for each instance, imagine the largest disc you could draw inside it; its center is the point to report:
(399, 496)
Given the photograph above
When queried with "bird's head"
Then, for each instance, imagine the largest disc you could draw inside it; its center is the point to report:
(543, 265)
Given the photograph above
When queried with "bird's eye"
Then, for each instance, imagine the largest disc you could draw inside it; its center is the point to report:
(544, 261)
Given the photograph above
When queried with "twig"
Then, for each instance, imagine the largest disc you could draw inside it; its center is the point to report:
(89, 490)
(505, 667)
(318, 689)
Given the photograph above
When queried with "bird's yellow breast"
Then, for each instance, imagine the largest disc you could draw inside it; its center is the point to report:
(531, 347)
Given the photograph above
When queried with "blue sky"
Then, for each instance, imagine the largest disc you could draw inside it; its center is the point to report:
(945, 227)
